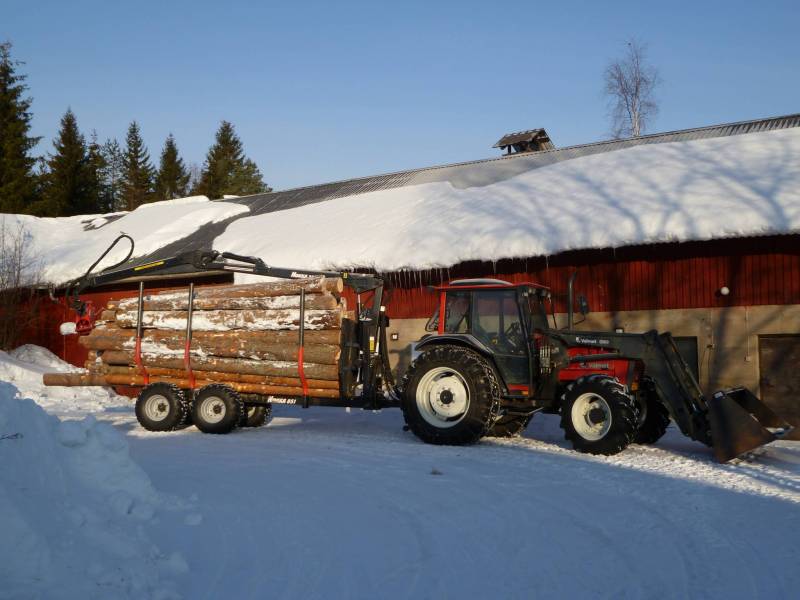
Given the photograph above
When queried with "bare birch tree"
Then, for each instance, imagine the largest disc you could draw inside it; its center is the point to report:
(20, 275)
(629, 86)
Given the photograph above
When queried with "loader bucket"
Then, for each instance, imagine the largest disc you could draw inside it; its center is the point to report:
(739, 423)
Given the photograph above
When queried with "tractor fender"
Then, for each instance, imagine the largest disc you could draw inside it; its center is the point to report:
(464, 340)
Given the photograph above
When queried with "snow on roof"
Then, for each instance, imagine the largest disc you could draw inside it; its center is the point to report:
(741, 185)
(740, 179)
(67, 246)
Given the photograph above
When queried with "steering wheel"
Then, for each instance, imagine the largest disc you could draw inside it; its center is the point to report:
(514, 336)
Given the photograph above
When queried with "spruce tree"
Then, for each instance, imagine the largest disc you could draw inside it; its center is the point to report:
(227, 170)
(97, 164)
(138, 173)
(68, 186)
(111, 176)
(18, 184)
(173, 176)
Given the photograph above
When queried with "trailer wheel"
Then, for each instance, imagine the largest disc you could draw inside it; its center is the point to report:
(256, 415)
(450, 395)
(161, 407)
(509, 426)
(653, 418)
(216, 409)
(598, 416)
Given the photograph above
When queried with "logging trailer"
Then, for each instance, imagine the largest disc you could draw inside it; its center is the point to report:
(493, 356)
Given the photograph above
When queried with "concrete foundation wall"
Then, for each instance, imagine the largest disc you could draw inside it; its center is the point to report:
(727, 338)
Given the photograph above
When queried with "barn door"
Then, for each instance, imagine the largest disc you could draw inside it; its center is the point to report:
(779, 371)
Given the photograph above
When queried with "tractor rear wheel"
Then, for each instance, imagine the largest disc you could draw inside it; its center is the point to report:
(509, 426)
(598, 415)
(161, 407)
(217, 408)
(450, 395)
(653, 418)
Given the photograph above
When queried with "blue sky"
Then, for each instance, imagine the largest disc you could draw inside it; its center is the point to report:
(325, 91)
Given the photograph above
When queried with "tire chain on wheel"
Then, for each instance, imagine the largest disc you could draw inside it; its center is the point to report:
(628, 402)
(486, 371)
(183, 406)
(244, 420)
(236, 398)
(656, 418)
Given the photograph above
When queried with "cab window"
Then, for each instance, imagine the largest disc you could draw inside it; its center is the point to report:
(496, 321)
(457, 314)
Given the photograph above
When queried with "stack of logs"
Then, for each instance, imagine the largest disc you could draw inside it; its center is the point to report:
(246, 336)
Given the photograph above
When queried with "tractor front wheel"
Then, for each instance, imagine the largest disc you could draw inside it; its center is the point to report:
(450, 395)
(598, 415)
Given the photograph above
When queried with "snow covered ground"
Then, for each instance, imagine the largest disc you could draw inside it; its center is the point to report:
(329, 504)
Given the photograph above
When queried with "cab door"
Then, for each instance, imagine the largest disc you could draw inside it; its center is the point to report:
(496, 321)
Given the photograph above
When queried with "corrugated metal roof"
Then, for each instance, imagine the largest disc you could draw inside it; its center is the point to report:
(461, 175)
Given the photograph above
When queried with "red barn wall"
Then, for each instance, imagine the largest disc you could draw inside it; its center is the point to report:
(758, 271)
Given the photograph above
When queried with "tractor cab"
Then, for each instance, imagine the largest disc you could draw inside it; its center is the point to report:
(499, 319)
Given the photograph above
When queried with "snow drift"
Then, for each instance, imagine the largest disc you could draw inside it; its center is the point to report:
(73, 505)
(24, 368)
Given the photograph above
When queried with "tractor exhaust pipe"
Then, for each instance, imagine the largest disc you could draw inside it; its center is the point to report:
(571, 300)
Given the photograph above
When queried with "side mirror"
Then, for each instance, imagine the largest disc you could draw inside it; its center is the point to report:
(583, 305)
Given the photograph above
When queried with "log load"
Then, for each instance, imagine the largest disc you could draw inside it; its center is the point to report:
(246, 336)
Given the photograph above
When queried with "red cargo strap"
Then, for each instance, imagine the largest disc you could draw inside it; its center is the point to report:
(137, 358)
(303, 381)
(187, 364)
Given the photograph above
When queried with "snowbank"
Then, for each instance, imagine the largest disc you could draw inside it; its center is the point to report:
(696, 190)
(67, 246)
(24, 368)
(72, 506)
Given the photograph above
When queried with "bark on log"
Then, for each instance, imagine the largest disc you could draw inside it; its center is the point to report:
(313, 285)
(180, 301)
(222, 377)
(88, 379)
(225, 365)
(216, 344)
(226, 320)
(107, 315)
(246, 338)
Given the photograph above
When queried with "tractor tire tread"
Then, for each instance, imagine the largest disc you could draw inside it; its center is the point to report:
(624, 421)
(178, 403)
(475, 369)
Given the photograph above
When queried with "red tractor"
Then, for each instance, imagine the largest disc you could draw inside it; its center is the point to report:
(496, 356)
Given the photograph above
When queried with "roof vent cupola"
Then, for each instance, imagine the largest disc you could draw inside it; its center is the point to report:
(533, 140)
